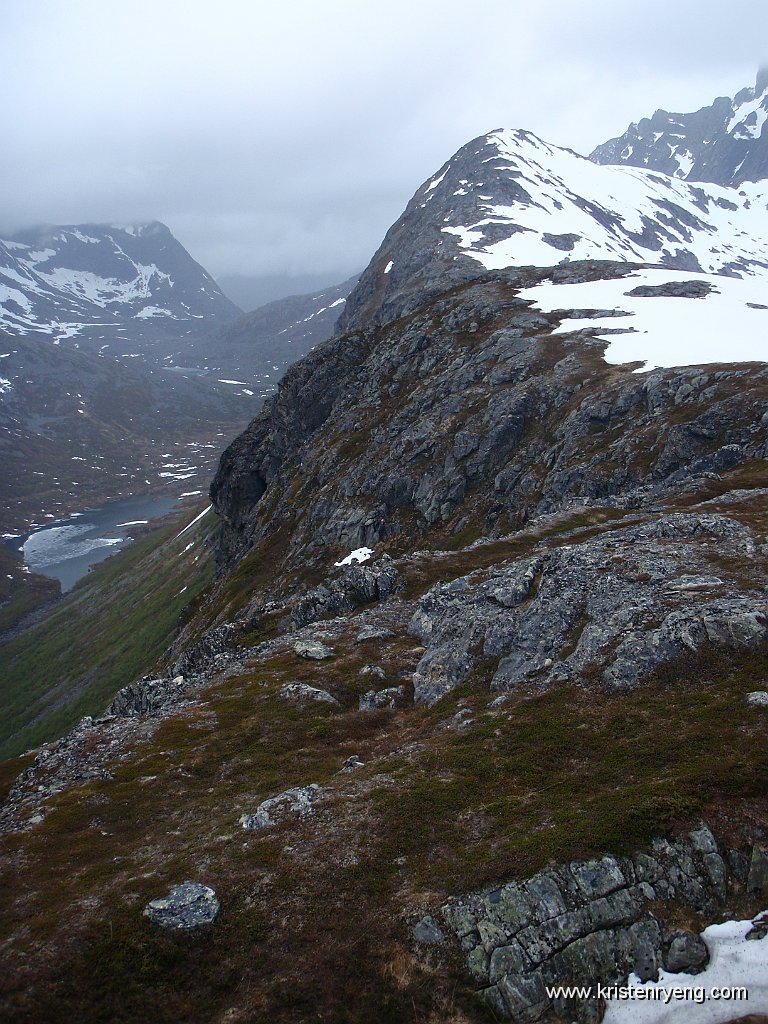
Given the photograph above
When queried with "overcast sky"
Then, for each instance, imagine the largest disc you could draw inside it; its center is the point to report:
(286, 136)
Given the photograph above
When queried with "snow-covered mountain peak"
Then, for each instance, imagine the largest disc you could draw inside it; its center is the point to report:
(750, 111)
(105, 282)
(510, 198)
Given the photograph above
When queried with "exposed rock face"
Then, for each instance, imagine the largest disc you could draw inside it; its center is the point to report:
(726, 142)
(147, 695)
(471, 412)
(357, 585)
(186, 907)
(588, 920)
(613, 607)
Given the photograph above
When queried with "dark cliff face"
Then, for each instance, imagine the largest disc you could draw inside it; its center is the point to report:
(725, 143)
(469, 417)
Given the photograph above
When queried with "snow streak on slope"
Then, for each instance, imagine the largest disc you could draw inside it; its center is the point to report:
(727, 325)
(564, 205)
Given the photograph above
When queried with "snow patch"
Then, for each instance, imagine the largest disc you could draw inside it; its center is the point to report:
(356, 556)
(734, 963)
(719, 328)
(195, 520)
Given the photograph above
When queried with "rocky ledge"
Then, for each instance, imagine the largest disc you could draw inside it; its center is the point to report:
(594, 919)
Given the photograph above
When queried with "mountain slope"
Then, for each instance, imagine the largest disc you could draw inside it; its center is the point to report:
(473, 756)
(510, 199)
(725, 143)
(76, 429)
(116, 289)
(257, 347)
(489, 696)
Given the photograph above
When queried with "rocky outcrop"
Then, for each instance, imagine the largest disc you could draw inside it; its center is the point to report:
(613, 607)
(303, 693)
(298, 802)
(390, 697)
(591, 919)
(148, 695)
(357, 585)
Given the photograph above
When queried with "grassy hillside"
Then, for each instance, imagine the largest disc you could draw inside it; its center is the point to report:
(110, 629)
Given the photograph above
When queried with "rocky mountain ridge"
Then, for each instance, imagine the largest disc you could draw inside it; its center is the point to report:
(725, 143)
(475, 410)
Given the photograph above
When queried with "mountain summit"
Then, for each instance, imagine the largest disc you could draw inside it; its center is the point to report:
(725, 143)
(510, 199)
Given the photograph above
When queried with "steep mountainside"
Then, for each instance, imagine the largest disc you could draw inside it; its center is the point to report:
(120, 290)
(258, 347)
(474, 414)
(475, 703)
(726, 143)
(510, 199)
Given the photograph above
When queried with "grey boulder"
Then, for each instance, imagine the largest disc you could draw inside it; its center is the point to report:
(187, 906)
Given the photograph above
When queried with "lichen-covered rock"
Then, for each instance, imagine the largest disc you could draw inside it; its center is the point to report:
(298, 802)
(303, 693)
(390, 697)
(685, 952)
(373, 633)
(427, 932)
(187, 906)
(312, 650)
(588, 919)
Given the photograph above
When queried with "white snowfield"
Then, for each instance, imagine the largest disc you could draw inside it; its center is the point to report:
(749, 117)
(613, 212)
(734, 963)
(722, 327)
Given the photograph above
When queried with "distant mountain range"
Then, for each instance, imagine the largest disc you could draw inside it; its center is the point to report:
(117, 348)
(723, 143)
